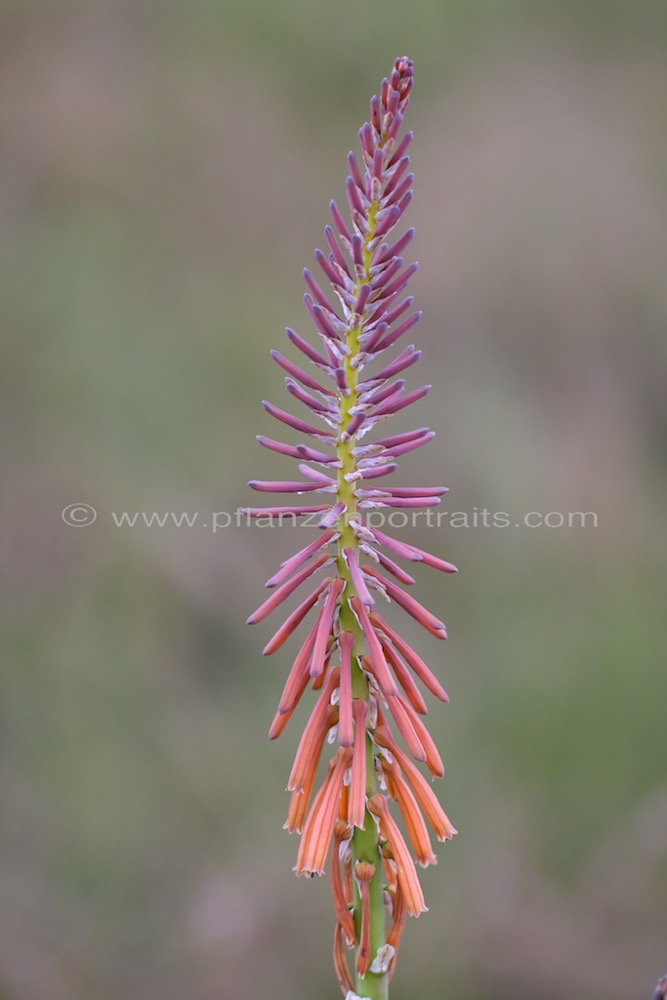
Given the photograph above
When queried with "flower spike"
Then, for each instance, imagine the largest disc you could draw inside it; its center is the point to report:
(364, 674)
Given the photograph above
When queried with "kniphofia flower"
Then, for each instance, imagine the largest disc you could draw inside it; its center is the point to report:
(365, 675)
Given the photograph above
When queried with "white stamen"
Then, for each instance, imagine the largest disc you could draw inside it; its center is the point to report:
(370, 552)
(361, 530)
(358, 361)
(377, 585)
(382, 960)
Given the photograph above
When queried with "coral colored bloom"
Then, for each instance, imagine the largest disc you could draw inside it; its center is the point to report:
(340, 963)
(405, 866)
(346, 727)
(319, 828)
(315, 731)
(364, 871)
(342, 900)
(357, 800)
(355, 376)
(412, 817)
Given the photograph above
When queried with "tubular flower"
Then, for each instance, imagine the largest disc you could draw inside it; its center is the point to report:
(365, 674)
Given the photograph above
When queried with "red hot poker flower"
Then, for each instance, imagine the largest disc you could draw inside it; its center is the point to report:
(363, 670)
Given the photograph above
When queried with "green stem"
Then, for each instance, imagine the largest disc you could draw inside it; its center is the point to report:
(365, 843)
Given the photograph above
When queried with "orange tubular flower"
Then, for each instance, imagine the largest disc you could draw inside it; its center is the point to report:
(412, 817)
(319, 828)
(364, 872)
(340, 963)
(405, 866)
(365, 674)
(341, 897)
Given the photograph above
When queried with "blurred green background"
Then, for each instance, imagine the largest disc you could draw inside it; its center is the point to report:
(165, 174)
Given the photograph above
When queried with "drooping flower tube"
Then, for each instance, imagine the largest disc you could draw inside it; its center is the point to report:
(367, 678)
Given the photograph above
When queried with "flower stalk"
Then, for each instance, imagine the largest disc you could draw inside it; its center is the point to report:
(363, 671)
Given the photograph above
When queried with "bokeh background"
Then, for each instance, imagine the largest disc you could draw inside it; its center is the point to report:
(165, 173)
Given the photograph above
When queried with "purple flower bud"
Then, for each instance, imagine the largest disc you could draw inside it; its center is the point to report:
(401, 190)
(408, 357)
(394, 175)
(389, 316)
(401, 282)
(378, 161)
(375, 648)
(399, 246)
(335, 249)
(358, 251)
(321, 318)
(388, 442)
(341, 381)
(383, 392)
(395, 125)
(298, 425)
(393, 102)
(409, 604)
(375, 113)
(390, 217)
(354, 196)
(295, 619)
(299, 374)
(384, 91)
(376, 472)
(297, 560)
(416, 491)
(395, 569)
(422, 671)
(388, 272)
(362, 590)
(305, 397)
(316, 476)
(296, 451)
(303, 451)
(373, 338)
(306, 349)
(283, 511)
(401, 149)
(362, 299)
(330, 518)
(366, 140)
(331, 274)
(354, 170)
(411, 503)
(353, 426)
(403, 449)
(274, 486)
(315, 289)
(279, 446)
(393, 405)
(283, 592)
(404, 202)
(392, 337)
(339, 223)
